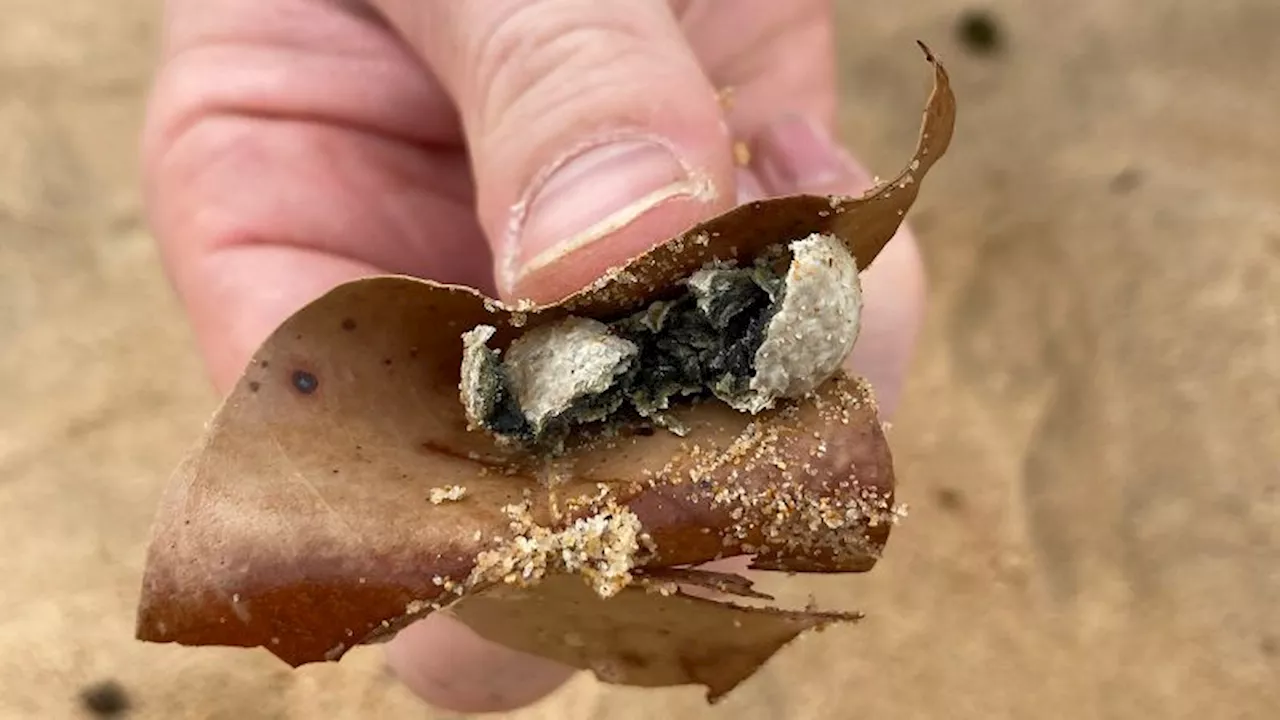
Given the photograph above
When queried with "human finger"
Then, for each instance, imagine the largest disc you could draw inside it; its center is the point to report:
(592, 129)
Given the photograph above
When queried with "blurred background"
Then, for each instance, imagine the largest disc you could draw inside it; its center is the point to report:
(1089, 444)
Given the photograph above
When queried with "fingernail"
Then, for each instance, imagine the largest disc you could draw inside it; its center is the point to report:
(798, 154)
(589, 195)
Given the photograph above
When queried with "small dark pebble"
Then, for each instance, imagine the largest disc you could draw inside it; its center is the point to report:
(348, 324)
(979, 32)
(106, 699)
(254, 386)
(304, 382)
(1126, 181)
(950, 499)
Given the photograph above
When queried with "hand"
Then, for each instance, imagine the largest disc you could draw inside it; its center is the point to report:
(518, 146)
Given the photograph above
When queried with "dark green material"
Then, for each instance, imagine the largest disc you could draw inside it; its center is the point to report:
(701, 343)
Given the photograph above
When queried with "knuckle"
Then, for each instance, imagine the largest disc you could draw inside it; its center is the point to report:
(546, 57)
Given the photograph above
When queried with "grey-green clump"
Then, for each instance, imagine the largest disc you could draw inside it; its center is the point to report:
(745, 335)
(703, 341)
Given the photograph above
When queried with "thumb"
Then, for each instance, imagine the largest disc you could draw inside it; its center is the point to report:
(592, 130)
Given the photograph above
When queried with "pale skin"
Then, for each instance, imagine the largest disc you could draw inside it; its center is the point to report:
(518, 146)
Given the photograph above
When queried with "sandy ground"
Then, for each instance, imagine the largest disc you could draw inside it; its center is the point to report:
(1090, 441)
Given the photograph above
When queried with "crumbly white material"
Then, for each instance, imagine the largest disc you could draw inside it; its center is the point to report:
(601, 547)
(553, 369)
(552, 366)
(449, 493)
(814, 327)
(710, 281)
(477, 371)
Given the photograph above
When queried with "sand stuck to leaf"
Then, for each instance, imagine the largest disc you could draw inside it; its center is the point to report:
(602, 548)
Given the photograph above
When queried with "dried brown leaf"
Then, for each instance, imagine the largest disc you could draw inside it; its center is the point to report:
(695, 579)
(640, 637)
(338, 493)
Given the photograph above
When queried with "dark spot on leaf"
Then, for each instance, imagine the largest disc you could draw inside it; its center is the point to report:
(254, 386)
(105, 699)
(1126, 181)
(305, 382)
(348, 324)
(950, 499)
(979, 32)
